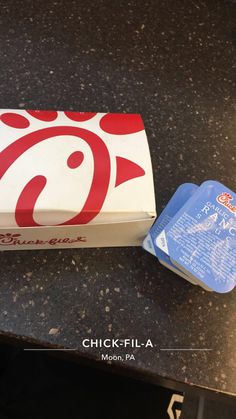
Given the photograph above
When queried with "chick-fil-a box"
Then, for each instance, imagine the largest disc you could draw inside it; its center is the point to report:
(73, 179)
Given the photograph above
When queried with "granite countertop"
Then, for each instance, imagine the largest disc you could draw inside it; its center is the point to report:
(173, 62)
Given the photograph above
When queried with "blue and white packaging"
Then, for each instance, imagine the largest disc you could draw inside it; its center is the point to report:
(201, 238)
(181, 195)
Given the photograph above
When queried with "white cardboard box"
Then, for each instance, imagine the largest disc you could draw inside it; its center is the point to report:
(73, 179)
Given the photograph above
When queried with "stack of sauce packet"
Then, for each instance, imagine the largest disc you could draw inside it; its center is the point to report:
(195, 235)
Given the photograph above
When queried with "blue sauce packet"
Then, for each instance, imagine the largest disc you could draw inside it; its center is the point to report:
(182, 194)
(201, 238)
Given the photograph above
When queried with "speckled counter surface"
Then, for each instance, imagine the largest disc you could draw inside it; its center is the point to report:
(173, 62)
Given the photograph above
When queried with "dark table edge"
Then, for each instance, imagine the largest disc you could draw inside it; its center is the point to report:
(119, 368)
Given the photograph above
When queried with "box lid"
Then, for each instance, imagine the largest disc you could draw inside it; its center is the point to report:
(59, 168)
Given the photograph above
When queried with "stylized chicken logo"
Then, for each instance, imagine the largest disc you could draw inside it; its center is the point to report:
(116, 124)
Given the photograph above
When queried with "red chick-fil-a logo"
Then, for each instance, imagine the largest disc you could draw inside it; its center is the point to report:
(9, 239)
(224, 199)
(112, 124)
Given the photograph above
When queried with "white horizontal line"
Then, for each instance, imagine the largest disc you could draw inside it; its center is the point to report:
(184, 349)
(161, 349)
(48, 349)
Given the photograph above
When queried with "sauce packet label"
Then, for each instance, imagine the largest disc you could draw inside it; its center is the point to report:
(201, 237)
(182, 194)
